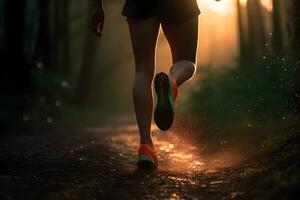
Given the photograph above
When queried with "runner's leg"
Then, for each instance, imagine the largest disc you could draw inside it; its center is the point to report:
(144, 33)
(183, 40)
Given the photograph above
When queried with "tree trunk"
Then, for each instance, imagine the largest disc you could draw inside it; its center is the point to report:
(66, 35)
(86, 71)
(2, 11)
(296, 26)
(257, 36)
(277, 29)
(62, 34)
(15, 76)
(242, 36)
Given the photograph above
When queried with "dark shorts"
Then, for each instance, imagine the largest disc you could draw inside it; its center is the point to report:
(167, 11)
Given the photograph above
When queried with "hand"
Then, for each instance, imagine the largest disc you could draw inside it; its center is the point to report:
(97, 20)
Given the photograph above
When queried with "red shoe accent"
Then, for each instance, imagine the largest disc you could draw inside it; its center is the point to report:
(174, 87)
(146, 149)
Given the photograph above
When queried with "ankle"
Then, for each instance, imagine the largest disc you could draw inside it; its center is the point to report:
(150, 143)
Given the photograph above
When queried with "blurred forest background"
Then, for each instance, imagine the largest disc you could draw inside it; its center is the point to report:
(56, 72)
(57, 77)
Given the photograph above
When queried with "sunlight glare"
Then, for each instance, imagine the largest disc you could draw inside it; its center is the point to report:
(221, 7)
(174, 153)
(243, 2)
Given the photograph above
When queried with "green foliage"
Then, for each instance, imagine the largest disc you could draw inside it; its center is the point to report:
(255, 99)
(9, 108)
(46, 82)
(48, 106)
(40, 106)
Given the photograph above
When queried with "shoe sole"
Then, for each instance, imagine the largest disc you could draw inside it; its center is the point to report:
(146, 166)
(164, 111)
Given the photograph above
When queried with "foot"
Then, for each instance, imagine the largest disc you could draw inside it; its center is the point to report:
(147, 158)
(166, 90)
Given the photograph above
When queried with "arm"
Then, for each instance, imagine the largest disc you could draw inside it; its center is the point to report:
(97, 18)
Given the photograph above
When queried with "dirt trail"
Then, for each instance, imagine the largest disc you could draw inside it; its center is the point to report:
(99, 163)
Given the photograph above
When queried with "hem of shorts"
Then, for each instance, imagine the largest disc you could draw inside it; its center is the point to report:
(164, 22)
(138, 16)
(180, 20)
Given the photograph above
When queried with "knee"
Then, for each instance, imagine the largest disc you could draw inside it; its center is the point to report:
(186, 65)
(190, 63)
(193, 66)
(191, 69)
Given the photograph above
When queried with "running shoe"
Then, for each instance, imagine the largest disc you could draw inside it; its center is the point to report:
(166, 90)
(147, 158)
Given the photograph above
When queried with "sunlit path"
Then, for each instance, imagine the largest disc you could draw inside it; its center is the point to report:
(175, 154)
(99, 163)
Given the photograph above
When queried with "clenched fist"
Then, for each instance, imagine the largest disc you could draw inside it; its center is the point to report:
(97, 20)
